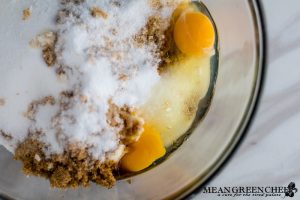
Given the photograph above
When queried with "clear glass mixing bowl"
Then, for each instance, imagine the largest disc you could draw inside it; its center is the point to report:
(212, 141)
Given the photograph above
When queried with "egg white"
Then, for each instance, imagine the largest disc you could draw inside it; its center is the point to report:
(173, 104)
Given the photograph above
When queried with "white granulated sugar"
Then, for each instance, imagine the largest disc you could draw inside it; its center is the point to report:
(101, 62)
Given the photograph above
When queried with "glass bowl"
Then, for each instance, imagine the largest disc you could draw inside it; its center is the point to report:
(237, 88)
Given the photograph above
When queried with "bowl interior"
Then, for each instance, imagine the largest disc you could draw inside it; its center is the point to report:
(212, 140)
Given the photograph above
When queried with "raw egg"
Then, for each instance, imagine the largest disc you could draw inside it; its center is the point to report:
(144, 152)
(193, 33)
(173, 103)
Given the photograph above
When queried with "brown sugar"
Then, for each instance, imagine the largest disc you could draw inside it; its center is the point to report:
(190, 106)
(98, 13)
(46, 41)
(49, 55)
(26, 14)
(6, 136)
(73, 168)
(76, 2)
(2, 102)
(156, 4)
(33, 106)
(132, 126)
(154, 32)
(83, 99)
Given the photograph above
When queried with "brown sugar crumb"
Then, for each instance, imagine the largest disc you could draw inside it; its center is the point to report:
(60, 71)
(49, 56)
(112, 115)
(62, 16)
(47, 42)
(83, 99)
(190, 106)
(132, 126)
(44, 40)
(6, 136)
(26, 14)
(154, 32)
(2, 102)
(68, 94)
(33, 106)
(65, 97)
(116, 3)
(60, 178)
(123, 77)
(98, 13)
(73, 168)
(76, 2)
(156, 4)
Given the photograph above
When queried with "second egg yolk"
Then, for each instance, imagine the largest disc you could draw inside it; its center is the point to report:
(194, 33)
(144, 152)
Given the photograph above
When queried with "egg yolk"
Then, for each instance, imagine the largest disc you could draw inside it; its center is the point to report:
(144, 152)
(193, 33)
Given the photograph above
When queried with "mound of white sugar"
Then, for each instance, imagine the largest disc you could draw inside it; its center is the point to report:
(100, 62)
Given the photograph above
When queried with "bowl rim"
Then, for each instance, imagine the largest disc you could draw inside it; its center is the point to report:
(195, 188)
(261, 33)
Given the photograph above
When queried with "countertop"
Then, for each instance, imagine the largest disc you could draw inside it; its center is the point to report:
(269, 155)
